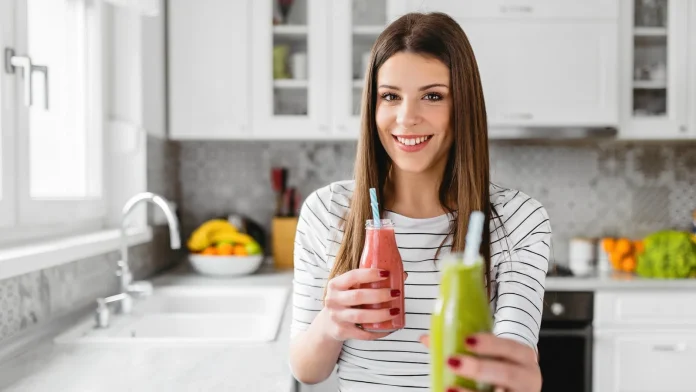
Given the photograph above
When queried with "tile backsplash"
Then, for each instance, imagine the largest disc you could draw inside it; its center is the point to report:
(589, 189)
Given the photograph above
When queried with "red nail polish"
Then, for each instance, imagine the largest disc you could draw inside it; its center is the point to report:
(384, 274)
(394, 311)
(454, 362)
(451, 389)
(471, 341)
(395, 293)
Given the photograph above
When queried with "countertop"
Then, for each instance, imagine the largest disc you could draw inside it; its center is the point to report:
(614, 281)
(240, 367)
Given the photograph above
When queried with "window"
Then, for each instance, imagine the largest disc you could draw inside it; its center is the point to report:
(52, 160)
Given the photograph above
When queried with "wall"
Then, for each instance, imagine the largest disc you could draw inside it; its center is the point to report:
(589, 189)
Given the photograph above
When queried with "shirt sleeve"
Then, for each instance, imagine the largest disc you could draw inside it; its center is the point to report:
(310, 268)
(520, 272)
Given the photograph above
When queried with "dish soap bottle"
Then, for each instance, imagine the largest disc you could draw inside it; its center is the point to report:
(462, 308)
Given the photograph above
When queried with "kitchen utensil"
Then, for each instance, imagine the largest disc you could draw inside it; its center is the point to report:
(581, 256)
(284, 230)
(285, 6)
(279, 181)
(225, 265)
(298, 65)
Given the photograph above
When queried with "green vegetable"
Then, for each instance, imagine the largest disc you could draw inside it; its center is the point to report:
(668, 254)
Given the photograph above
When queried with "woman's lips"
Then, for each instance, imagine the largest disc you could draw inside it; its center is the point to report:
(412, 143)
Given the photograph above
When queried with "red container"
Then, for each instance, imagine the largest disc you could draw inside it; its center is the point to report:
(380, 251)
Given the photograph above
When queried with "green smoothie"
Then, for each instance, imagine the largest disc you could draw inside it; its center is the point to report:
(462, 309)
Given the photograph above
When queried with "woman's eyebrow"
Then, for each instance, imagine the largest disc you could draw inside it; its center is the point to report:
(429, 86)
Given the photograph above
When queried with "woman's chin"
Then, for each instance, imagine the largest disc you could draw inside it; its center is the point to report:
(413, 166)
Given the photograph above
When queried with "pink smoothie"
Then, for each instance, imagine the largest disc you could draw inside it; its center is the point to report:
(380, 251)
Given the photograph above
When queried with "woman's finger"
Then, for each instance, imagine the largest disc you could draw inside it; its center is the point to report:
(356, 297)
(356, 277)
(359, 316)
(425, 340)
(489, 345)
(495, 372)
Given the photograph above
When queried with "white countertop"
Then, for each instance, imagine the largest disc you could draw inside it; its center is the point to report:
(241, 367)
(616, 281)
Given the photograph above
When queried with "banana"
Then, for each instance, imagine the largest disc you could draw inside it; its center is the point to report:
(202, 237)
(231, 237)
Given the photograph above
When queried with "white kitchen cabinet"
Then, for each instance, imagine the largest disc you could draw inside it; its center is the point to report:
(655, 68)
(644, 341)
(644, 362)
(531, 9)
(355, 26)
(209, 69)
(550, 73)
(291, 70)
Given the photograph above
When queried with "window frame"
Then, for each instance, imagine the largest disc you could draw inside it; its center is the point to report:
(22, 218)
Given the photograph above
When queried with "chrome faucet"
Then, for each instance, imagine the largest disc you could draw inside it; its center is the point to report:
(129, 288)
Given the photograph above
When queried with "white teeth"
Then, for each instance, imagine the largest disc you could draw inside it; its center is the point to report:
(412, 142)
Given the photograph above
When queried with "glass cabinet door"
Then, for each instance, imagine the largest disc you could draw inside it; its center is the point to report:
(290, 67)
(356, 24)
(657, 68)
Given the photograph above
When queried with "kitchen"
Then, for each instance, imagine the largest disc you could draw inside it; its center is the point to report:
(238, 110)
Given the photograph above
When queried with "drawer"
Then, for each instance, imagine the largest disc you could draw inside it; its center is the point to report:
(649, 363)
(648, 308)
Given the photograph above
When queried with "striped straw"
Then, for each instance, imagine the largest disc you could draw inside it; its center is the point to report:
(375, 208)
(473, 237)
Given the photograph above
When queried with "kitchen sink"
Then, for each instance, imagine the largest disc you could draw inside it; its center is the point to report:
(182, 314)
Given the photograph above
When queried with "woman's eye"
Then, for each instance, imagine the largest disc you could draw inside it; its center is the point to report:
(389, 97)
(433, 97)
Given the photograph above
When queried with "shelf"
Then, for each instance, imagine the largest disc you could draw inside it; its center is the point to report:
(290, 30)
(368, 30)
(650, 31)
(650, 84)
(290, 83)
(358, 83)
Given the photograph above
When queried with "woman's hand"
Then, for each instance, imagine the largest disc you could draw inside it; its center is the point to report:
(509, 365)
(343, 298)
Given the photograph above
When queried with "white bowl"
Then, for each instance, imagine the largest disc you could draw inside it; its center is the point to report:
(225, 265)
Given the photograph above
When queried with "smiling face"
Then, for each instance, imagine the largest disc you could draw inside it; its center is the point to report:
(413, 111)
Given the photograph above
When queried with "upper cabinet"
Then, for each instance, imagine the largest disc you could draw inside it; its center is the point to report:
(543, 62)
(291, 69)
(655, 69)
(209, 48)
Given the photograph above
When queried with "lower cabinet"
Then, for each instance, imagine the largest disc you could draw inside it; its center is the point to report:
(647, 355)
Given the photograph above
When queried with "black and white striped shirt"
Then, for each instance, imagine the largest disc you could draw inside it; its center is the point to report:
(519, 261)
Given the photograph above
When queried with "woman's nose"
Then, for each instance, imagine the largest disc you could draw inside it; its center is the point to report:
(408, 115)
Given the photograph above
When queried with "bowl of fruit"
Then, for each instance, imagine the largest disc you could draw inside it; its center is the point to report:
(218, 248)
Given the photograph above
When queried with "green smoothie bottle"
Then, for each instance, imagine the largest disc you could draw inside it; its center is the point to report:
(461, 309)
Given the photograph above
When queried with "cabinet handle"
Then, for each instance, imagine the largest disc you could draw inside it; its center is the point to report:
(683, 129)
(324, 128)
(557, 308)
(519, 116)
(517, 9)
(679, 347)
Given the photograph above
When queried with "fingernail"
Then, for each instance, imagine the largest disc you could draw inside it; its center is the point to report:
(395, 293)
(450, 389)
(394, 311)
(471, 341)
(454, 362)
(384, 274)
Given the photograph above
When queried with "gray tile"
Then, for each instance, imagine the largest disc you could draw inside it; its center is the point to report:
(10, 303)
(33, 296)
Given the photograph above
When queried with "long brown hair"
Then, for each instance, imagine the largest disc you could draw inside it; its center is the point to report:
(465, 182)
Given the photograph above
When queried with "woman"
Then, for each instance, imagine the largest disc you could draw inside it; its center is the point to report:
(424, 147)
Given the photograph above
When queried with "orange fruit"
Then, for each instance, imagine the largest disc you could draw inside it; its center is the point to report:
(209, 251)
(628, 264)
(240, 250)
(225, 249)
(639, 246)
(608, 244)
(623, 246)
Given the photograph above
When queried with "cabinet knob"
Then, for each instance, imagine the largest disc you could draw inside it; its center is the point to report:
(683, 129)
(324, 128)
(342, 128)
(557, 309)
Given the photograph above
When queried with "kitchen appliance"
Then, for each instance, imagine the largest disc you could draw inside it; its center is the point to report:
(565, 341)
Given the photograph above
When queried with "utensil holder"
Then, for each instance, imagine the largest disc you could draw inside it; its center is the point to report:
(283, 231)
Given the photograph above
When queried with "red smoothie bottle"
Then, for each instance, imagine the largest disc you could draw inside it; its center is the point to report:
(380, 251)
